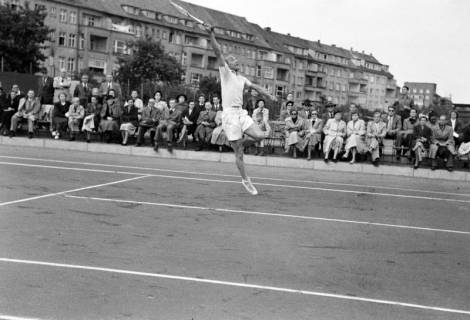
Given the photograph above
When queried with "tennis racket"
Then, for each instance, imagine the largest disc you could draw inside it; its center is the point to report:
(186, 13)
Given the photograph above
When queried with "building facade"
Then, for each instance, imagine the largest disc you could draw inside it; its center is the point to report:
(422, 92)
(88, 35)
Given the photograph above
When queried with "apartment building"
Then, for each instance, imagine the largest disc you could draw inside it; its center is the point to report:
(90, 35)
(422, 92)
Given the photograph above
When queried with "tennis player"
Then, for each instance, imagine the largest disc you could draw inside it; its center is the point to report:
(239, 128)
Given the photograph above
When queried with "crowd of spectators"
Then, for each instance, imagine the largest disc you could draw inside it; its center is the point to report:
(325, 131)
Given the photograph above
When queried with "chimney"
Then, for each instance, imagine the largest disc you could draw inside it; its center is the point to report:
(268, 29)
(318, 41)
(288, 34)
(363, 52)
(333, 45)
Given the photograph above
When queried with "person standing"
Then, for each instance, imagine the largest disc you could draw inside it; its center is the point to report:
(110, 84)
(28, 109)
(46, 89)
(83, 91)
(62, 84)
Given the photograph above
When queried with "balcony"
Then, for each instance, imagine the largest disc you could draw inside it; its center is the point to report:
(282, 75)
(98, 44)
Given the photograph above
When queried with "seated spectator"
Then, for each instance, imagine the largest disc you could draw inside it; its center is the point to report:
(218, 135)
(62, 84)
(148, 121)
(405, 136)
(464, 149)
(422, 137)
(314, 133)
(205, 126)
(161, 105)
(8, 110)
(92, 117)
(181, 103)
(393, 123)
(457, 127)
(59, 119)
(129, 121)
(260, 108)
(296, 130)
(286, 112)
(263, 124)
(75, 116)
(355, 142)
(28, 109)
(329, 114)
(169, 124)
(201, 103)
(335, 131)
(216, 105)
(189, 118)
(376, 131)
(442, 144)
(138, 103)
(110, 116)
(348, 115)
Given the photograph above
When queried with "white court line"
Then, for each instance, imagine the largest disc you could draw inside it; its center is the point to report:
(393, 195)
(282, 215)
(237, 176)
(237, 284)
(7, 317)
(69, 191)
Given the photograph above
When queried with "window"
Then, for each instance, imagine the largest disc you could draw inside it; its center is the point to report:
(72, 40)
(197, 60)
(63, 15)
(268, 73)
(120, 47)
(258, 71)
(61, 38)
(414, 90)
(428, 91)
(149, 14)
(338, 73)
(61, 63)
(184, 59)
(73, 17)
(90, 20)
(171, 19)
(421, 91)
(81, 42)
(191, 41)
(53, 12)
(38, 6)
(165, 35)
(212, 64)
(195, 78)
(337, 88)
(298, 94)
(52, 36)
(279, 91)
(70, 64)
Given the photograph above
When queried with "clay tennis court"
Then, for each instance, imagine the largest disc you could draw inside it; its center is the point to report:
(100, 236)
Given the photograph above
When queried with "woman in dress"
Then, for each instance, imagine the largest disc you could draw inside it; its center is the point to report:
(422, 136)
(110, 116)
(356, 131)
(335, 131)
(129, 121)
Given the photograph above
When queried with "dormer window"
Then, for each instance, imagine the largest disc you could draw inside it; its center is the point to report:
(131, 10)
(149, 14)
(170, 19)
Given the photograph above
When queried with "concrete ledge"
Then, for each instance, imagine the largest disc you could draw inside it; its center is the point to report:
(269, 161)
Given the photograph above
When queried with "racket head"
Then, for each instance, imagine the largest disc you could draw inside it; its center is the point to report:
(186, 13)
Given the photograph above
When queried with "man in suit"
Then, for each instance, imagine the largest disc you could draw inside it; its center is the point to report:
(46, 89)
(28, 109)
(404, 103)
(83, 91)
(457, 126)
(442, 144)
(110, 84)
(404, 136)
(189, 117)
(329, 113)
(216, 105)
(393, 125)
(169, 123)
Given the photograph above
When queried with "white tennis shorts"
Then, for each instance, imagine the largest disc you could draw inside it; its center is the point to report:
(235, 121)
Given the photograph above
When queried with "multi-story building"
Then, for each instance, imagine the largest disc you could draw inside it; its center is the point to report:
(90, 35)
(422, 92)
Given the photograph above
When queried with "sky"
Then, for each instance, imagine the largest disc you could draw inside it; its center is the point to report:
(421, 40)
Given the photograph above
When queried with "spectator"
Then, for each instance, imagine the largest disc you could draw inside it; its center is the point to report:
(75, 115)
(330, 112)
(405, 136)
(62, 84)
(28, 109)
(95, 92)
(8, 110)
(442, 144)
(201, 103)
(129, 121)
(108, 85)
(251, 101)
(16, 89)
(59, 120)
(394, 126)
(218, 135)
(457, 126)
(3, 97)
(335, 131)
(92, 117)
(376, 131)
(138, 103)
(348, 115)
(315, 129)
(169, 124)
(83, 91)
(181, 104)
(404, 103)
(464, 148)
(216, 105)
(422, 137)
(148, 121)
(46, 89)
(205, 126)
(161, 105)
(110, 116)
(356, 131)
(296, 130)
(263, 124)
(189, 118)
(285, 113)
(260, 108)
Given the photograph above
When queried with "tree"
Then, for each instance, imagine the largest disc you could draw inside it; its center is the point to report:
(22, 37)
(210, 86)
(147, 63)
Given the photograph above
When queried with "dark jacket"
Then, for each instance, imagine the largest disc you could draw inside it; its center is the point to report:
(60, 110)
(422, 132)
(46, 90)
(82, 93)
(12, 103)
(130, 115)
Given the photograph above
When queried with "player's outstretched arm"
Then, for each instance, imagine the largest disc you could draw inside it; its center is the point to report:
(216, 45)
(262, 91)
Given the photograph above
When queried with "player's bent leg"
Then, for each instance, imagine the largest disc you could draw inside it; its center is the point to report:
(256, 133)
(238, 148)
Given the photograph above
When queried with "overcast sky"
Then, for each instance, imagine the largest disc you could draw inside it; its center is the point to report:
(421, 40)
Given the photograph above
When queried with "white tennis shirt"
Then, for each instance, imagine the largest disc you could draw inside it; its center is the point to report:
(232, 87)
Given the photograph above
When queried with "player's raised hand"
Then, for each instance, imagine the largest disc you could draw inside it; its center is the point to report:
(209, 28)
